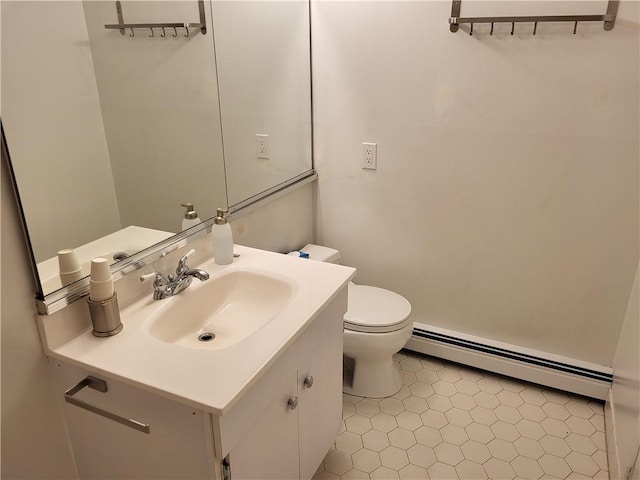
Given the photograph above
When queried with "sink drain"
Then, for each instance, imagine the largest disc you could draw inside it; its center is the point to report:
(206, 337)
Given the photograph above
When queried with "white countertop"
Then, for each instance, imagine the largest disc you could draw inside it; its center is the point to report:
(211, 380)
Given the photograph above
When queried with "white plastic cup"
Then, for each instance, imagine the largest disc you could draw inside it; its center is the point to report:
(101, 280)
(68, 261)
(70, 277)
(100, 270)
(100, 291)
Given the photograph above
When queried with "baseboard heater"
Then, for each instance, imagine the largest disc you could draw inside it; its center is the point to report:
(525, 364)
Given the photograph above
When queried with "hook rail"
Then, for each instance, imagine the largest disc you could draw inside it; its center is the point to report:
(609, 18)
(122, 26)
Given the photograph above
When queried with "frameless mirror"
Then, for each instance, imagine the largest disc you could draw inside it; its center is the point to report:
(109, 131)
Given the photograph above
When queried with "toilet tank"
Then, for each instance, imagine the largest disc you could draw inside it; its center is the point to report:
(321, 254)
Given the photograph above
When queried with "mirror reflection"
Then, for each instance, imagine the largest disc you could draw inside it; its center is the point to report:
(110, 134)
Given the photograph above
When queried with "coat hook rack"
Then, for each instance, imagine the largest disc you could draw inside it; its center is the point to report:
(609, 19)
(122, 26)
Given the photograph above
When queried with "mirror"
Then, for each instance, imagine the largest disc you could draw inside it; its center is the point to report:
(109, 134)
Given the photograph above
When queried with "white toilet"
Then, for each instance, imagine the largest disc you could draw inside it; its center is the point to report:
(376, 326)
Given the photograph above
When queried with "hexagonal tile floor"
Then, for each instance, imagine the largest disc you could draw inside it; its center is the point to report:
(454, 422)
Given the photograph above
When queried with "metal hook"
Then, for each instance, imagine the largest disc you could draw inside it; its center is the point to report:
(471, 30)
(513, 27)
(152, 33)
(575, 27)
(175, 32)
(535, 27)
(491, 32)
(186, 28)
(163, 34)
(132, 34)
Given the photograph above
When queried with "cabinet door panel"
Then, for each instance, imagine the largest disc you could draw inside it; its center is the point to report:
(321, 404)
(269, 451)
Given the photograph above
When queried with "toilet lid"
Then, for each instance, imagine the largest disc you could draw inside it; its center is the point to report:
(375, 310)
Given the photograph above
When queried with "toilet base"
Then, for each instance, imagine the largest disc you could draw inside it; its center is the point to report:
(370, 357)
(377, 378)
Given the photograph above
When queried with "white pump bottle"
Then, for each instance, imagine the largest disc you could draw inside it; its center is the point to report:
(222, 239)
(190, 216)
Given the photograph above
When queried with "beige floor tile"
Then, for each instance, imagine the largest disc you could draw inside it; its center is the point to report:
(358, 424)
(375, 440)
(475, 451)
(348, 442)
(448, 453)
(442, 471)
(394, 458)
(480, 433)
(384, 422)
(449, 421)
(413, 472)
(469, 470)
(384, 473)
(366, 460)
(355, 474)
(367, 408)
(421, 456)
(337, 462)
(529, 448)
(497, 468)
(502, 450)
(401, 438)
(433, 418)
(391, 406)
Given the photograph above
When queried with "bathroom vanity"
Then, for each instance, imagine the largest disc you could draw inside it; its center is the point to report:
(264, 403)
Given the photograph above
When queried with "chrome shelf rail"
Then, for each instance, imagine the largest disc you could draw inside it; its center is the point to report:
(123, 27)
(609, 18)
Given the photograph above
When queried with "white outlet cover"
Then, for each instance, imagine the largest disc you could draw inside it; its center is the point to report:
(369, 156)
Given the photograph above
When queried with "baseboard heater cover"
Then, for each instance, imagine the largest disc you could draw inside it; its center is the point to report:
(565, 374)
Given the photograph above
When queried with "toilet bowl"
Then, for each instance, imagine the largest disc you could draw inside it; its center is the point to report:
(376, 326)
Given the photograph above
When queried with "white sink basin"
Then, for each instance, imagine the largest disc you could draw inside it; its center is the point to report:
(238, 304)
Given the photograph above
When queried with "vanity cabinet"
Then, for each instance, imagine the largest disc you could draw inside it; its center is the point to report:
(280, 427)
(292, 435)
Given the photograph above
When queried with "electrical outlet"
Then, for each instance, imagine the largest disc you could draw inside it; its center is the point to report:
(262, 146)
(370, 156)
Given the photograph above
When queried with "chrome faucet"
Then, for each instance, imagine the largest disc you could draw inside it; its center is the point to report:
(170, 285)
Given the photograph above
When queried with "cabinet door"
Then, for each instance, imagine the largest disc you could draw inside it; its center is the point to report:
(178, 444)
(321, 399)
(269, 450)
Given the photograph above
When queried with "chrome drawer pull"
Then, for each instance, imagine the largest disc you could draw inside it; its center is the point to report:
(101, 386)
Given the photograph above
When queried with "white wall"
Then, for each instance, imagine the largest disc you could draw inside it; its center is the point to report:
(51, 116)
(159, 101)
(623, 409)
(34, 438)
(505, 203)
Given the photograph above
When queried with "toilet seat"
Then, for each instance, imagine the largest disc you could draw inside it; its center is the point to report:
(375, 310)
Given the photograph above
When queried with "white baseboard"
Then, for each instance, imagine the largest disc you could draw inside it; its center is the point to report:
(534, 366)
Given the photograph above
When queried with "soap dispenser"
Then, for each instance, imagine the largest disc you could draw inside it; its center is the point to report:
(222, 239)
(190, 216)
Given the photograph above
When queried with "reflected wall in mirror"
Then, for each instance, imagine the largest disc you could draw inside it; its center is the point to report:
(108, 134)
(264, 74)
